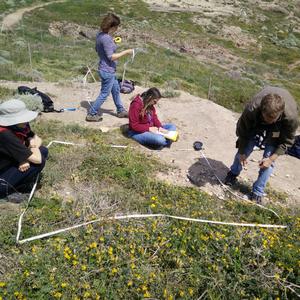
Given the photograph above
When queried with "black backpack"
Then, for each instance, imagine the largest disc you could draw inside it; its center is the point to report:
(295, 149)
(48, 105)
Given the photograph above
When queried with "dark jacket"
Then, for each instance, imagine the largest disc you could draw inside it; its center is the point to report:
(136, 121)
(281, 134)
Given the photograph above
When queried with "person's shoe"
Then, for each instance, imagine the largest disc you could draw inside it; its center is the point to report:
(256, 198)
(122, 114)
(93, 118)
(230, 179)
(17, 197)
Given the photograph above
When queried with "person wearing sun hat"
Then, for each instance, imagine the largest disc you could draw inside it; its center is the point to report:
(22, 156)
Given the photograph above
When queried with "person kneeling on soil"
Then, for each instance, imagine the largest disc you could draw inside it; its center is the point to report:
(270, 120)
(144, 125)
(22, 156)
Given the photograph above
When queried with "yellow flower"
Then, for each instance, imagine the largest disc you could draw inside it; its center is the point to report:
(144, 288)
(181, 293)
(74, 262)
(130, 283)
(83, 267)
(114, 271)
(93, 245)
(110, 250)
(147, 294)
(2, 284)
(26, 273)
(63, 285)
(86, 286)
(191, 291)
(101, 239)
(276, 276)
(87, 295)
(153, 205)
(57, 295)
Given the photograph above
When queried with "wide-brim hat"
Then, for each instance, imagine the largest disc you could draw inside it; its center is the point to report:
(14, 112)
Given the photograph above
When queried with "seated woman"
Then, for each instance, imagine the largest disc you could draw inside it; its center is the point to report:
(144, 126)
(22, 156)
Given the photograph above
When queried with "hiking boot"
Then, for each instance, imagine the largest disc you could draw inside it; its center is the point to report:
(93, 118)
(230, 179)
(256, 198)
(122, 114)
(17, 197)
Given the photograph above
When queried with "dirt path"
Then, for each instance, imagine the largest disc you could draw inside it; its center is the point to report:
(13, 19)
(197, 119)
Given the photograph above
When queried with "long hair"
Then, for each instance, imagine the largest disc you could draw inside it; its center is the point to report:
(148, 96)
(109, 21)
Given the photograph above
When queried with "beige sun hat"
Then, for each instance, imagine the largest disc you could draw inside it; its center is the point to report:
(14, 112)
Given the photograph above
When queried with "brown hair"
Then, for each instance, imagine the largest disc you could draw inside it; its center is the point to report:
(109, 21)
(148, 96)
(272, 105)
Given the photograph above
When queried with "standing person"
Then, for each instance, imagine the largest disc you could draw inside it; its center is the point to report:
(106, 49)
(22, 156)
(272, 113)
(144, 125)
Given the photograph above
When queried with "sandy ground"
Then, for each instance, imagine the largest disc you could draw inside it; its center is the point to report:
(14, 18)
(196, 119)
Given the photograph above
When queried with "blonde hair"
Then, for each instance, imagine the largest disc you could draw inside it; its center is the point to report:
(272, 105)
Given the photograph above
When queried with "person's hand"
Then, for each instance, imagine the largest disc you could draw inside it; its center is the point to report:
(23, 167)
(35, 142)
(243, 160)
(153, 129)
(162, 130)
(130, 51)
(265, 163)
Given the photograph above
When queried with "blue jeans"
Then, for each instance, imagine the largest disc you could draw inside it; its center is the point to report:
(263, 174)
(12, 179)
(109, 84)
(152, 140)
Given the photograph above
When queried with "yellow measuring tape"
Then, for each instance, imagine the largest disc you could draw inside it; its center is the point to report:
(117, 39)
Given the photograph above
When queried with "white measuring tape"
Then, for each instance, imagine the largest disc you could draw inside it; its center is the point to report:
(144, 216)
(233, 193)
(134, 216)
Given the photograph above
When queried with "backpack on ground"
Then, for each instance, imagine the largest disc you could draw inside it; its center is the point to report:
(48, 105)
(295, 149)
(126, 86)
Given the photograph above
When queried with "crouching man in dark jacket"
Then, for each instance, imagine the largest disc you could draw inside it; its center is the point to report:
(273, 115)
(22, 156)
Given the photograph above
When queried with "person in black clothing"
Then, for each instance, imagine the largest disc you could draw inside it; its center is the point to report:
(22, 156)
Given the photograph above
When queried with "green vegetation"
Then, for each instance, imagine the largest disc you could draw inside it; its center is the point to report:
(163, 35)
(136, 259)
(150, 258)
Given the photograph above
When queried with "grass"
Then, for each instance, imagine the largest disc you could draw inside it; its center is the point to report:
(157, 258)
(55, 59)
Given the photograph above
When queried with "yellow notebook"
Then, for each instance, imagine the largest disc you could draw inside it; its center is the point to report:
(170, 135)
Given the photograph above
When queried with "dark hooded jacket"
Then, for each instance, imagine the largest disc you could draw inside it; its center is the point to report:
(281, 134)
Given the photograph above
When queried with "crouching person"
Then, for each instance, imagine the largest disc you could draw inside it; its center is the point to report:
(144, 125)
(272, 113)
(22, 156)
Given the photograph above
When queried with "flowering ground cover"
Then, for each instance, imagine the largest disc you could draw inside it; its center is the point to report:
(137, 259)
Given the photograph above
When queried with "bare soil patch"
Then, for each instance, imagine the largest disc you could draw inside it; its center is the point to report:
(196, 119)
